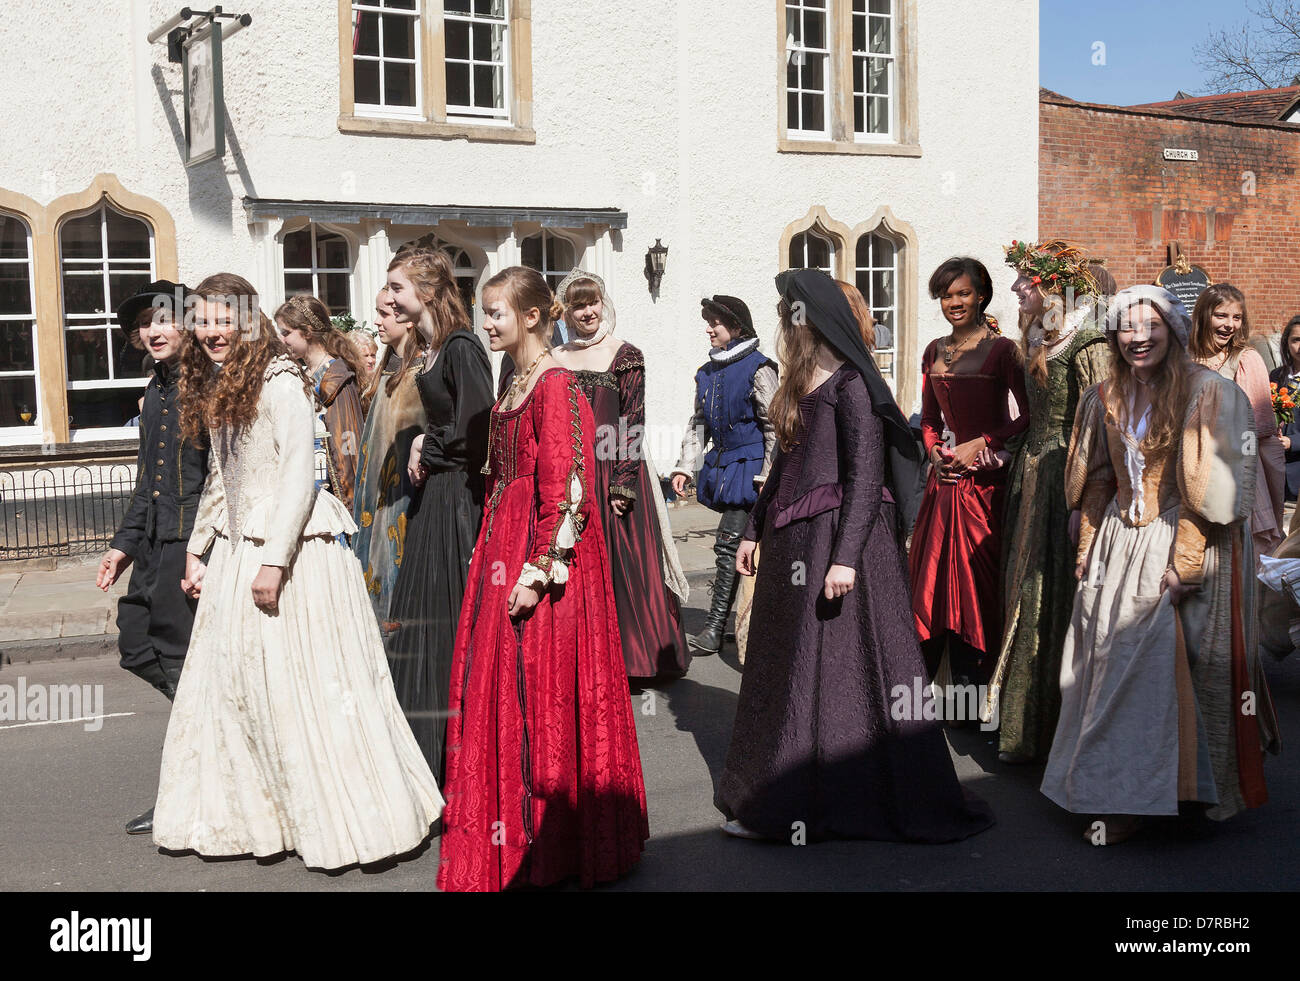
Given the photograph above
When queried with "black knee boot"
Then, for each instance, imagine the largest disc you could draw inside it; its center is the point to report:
(163, 673)
(730, 528)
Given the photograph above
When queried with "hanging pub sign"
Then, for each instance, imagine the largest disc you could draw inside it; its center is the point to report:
(1185, 281)
(205, 114)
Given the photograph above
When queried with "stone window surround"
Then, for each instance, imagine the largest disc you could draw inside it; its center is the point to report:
(433, 82)
(840, 96)
(44, 223)
(907, 363)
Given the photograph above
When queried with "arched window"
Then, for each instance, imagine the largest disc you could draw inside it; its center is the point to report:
(18, 400)
(876, 276)
(549, 254)
(105, 256)
(319, 262)
(809, 250)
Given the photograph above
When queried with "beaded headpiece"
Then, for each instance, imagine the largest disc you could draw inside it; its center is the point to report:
(299, 303)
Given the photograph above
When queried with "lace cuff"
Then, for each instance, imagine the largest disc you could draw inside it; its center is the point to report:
(552, 565)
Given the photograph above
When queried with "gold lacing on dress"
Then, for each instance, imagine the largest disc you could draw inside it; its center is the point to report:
(552, 565)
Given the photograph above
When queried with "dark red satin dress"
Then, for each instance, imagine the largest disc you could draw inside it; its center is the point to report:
(957, 542)
(543, 771)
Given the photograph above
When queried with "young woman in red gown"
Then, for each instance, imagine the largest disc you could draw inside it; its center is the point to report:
(543, 772)
(956, 546)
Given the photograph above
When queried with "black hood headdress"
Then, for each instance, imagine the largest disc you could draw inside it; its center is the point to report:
(825, 307)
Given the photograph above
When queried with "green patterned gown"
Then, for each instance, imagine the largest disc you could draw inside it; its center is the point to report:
(1038, 557)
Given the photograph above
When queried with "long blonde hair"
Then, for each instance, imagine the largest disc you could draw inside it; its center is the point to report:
(1168, 390)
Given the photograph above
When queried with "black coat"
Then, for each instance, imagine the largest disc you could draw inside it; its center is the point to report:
(1292, 431)
(171, 472)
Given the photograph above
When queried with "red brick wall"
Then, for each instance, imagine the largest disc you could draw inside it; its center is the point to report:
(1104, 184)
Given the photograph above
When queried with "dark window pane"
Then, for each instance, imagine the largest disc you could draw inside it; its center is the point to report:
(297, 283)
(862, 278)
(366, 39)
(16, 351)
(814, 26)
(365, 82)
(87, 354)
(490, 8)
(399, 37)
(456, 6)
(812, 112)
(399, 84)
(796, 252)
(13, 238)
(530, 252)
(122, 286)
(457, 84)
(465, 284)
(882, 289)
(882, 251)
(487, 87)
(814, 73)
(128, 238)
(335, 293)
(297, 249)
(128, 360)
(331, 251)
(792, 28)
(878, 115)
(881, 38)
(487, 42)
(80, 238)
(878, 76)
(562, 255)
(859, 6)
(859, 34)
(457, 40)
(792, 75)
(819, 253)
(15, 289)
(881, 6)
(103, 407)
(400, 4)
(17, 398)
(859, 114)
(83, 293)
(792, 110)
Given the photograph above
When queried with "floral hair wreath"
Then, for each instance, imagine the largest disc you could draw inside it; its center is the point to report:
(1054, 267)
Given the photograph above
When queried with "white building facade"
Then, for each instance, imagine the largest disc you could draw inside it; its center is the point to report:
(872, 138)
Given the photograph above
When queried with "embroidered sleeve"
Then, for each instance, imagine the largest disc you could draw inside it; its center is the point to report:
(765, 383)
(1089, 476)
(561, 478)
(931, 415)
(693, 443)
(629, 369)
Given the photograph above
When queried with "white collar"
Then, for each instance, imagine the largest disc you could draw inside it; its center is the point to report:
(1073, 321)
(724, 355)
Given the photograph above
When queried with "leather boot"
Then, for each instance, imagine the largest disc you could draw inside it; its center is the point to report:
(710, 639)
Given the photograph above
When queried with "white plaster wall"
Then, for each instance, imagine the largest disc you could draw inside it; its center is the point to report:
(667, 112)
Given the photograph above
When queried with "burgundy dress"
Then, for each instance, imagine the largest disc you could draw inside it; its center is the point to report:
(543, 772)
(649, 616)
(818, 738)
(956, 546)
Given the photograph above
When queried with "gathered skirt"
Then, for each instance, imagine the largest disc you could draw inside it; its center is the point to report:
(286, 734)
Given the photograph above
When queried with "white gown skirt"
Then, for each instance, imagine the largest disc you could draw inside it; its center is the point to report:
(286, 734)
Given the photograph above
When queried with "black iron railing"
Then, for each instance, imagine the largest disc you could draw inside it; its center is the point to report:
(71, 510)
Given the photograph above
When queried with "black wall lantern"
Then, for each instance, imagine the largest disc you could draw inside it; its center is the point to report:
(656, 258)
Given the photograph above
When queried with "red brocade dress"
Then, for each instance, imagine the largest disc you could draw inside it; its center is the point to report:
(956, 546)
(543, 771)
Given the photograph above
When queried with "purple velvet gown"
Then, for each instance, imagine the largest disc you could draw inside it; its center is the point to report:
(649, 616)
(814, 739)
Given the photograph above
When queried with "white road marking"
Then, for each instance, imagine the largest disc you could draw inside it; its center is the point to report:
(59, 722)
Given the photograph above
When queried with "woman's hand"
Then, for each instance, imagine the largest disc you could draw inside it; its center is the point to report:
(620, 505)
(745, 557)
(522, 599)
(991, 459)
(1286, 441)
(111, 567)
(195, 570)
(1174, 585)
(965, 454)
(415, 470)
(679, 484)
(266, 588)
(839, 580)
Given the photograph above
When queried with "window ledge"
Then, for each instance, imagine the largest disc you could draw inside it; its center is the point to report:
(380, 126)
(852, 148)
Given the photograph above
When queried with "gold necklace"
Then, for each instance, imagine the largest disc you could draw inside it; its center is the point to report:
(949, 350)
(507, 403)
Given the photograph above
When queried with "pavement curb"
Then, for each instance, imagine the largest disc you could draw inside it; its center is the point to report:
(58, 649)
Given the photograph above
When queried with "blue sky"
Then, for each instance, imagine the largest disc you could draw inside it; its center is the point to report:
(1149, 46)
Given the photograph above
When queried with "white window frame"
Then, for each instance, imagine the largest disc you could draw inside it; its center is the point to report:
(549, 270)
(797, 53)
(31, 430)
(891, 74)
(106, 320)
(891, 374)
(382, 110)
(316, 271)
(803, 237)
(472, 113)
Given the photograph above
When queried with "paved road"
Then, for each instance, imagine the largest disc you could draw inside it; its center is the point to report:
(67, 791)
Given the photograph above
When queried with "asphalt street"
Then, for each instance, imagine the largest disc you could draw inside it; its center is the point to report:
(66, 792)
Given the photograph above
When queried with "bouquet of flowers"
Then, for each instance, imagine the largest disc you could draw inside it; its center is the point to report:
(1283, 404)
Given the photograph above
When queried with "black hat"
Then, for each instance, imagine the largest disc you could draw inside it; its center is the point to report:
(828, 312)
(732, 311)
(176, 294)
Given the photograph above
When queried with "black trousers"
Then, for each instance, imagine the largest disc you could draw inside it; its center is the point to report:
(155, 617)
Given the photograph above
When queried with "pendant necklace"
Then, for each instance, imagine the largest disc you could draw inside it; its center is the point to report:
(949, 350)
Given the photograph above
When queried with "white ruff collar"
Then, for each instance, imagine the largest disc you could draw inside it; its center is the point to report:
(604, 330)
(723, 355)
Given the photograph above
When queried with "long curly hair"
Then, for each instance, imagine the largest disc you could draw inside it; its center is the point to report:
(796, 348)
(228, 396)
(1168, 391)
(310, 317)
